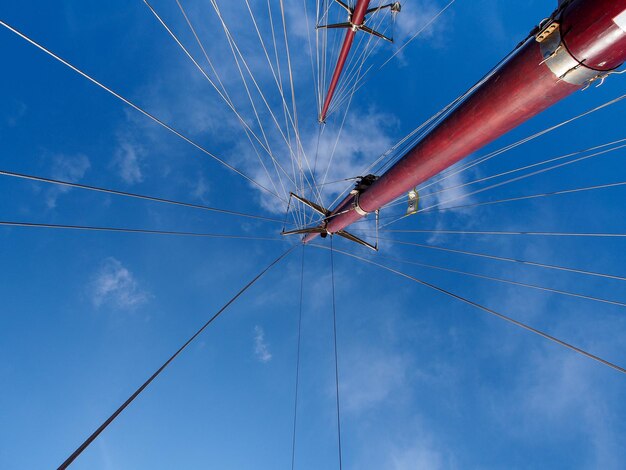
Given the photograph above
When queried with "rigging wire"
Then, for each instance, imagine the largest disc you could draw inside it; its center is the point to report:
(509, 232)
(354, 66)
(237, 51)
(223, 88)
(134, 195)
(299, 148)
(502, 258)
(188, 54)
(395, 153)
(418, 33)
(487, 310)
(515, 170)
(8, 223)
(332, 275)
(509, 181)
(287, 113)
(130, 399)
(531, 196)
(141, 110)
(489, 156)
(461, 167)
(295, 405)
(508, 281)
(265, 147)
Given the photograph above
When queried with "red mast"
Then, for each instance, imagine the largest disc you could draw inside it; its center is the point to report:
(584, 40)
(356, 22)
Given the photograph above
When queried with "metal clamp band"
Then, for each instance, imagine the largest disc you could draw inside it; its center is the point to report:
(357, 207)
(562, 63)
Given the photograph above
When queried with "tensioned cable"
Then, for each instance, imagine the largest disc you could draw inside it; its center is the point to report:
(265, 147)
(453, 170)
(225, 91)
(508, 172)
(130, 399)
(295, 405)
(487, 310)
(332, 275)
(413, 137)
(507, 281)
(527, 175)
(188, 54)
(509, 232)
(502, 258)
(343, 122)
(134, 195)
(509, 181)
(351, 95)
(355, 67)
(417, 134)
(362, 81)
(239, 59)
(137, 108)
(234, 47)
(294, 105)
(91, 228)
(530, 196)
(280, 85)
(308, 28)
(355, 63)
(495, 153)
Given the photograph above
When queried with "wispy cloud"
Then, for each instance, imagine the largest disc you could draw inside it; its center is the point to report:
(127, 161)
(261, 348)
(201, 189)
(115, 285)
(67, 168)
(16, 112)
(372, 377)
(422, 455)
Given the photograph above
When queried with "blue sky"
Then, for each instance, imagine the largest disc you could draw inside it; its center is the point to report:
(426, 382)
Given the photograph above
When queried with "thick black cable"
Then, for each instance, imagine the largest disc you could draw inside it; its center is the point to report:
(332, 274)
(130, 399)
(133, 195)
(132, 230)
(295, 405)
(487, 310)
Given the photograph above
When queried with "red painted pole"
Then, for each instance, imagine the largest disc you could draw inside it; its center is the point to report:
(356, 19)
(590, 41)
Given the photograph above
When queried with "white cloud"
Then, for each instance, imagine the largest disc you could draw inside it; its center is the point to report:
(115, 285)
(17, 112)
(201, 189)
(362, 136)
(372, 377)
(261, 348)
(127, 161)
(421, 456)
(65, 168)
(416, 16)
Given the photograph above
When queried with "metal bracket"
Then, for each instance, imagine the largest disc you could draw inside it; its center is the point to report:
(354, 238)
(395, 7)
(547, 31)
(322, 228)
(316, 207)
